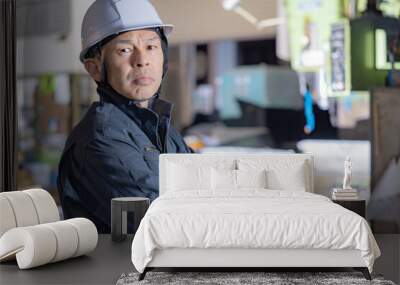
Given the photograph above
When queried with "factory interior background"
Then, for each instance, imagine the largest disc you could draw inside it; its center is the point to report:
(259, 76)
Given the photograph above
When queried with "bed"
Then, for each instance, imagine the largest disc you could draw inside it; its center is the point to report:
(246, 211)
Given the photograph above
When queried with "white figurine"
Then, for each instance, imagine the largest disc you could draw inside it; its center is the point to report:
(347, 173)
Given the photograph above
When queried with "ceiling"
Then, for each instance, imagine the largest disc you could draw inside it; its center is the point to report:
(205, 20)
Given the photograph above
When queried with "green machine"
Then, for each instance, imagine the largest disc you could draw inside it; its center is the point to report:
(320, 45)
(373, 43)
(348, 45)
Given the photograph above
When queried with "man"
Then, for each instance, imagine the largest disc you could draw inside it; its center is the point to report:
(114, 150)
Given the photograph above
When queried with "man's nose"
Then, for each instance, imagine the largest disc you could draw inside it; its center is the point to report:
(141, 59)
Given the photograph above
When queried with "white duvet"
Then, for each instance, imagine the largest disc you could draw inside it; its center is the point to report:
(250, 219)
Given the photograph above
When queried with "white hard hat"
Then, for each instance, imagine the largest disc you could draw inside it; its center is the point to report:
(105, 18)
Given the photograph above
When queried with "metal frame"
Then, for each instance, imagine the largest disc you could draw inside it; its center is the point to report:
(8, 97)
(363, 270)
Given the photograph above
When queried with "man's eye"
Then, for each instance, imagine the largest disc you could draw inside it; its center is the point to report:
(151, 47)
(125, 50)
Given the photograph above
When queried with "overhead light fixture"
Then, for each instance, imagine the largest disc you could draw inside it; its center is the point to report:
(270, 23)
(234, 5)
(246, 15)
(229, 5)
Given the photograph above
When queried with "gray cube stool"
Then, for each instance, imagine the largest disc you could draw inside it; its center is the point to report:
(119, 209)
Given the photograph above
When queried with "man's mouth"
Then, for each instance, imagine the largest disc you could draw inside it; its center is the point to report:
(143, 80)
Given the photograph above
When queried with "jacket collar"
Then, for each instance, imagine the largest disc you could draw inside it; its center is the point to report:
(160, 107)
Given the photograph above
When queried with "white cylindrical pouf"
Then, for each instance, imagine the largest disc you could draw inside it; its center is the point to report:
(37, 245)
(46, 208)
(7, 218)
(67, 239)
(34, 246)
(31, 232)
(87, 234)
(23, 208)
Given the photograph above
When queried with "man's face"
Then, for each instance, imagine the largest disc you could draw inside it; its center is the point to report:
(134, 62)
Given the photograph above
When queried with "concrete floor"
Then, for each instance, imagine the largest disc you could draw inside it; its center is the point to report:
(389, 262)
(106, 264)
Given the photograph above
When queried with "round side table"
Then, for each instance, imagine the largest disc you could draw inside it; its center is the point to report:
(119, 209)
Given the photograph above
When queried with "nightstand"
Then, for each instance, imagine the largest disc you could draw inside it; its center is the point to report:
(119, 210)
(357, 206)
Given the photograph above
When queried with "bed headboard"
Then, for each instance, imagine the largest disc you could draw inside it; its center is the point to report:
(166, 159)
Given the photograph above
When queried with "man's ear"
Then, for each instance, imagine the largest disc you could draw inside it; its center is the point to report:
(93, 67)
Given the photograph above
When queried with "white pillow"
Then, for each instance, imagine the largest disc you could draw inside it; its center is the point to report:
(226, 179)
(292, 179)
(188, 177)
(251, 178)
(282, 174)
(223, 179)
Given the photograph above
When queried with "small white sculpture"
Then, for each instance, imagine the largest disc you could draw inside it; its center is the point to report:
(347, 173)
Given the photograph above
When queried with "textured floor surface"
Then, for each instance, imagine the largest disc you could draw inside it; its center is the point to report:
(225, 278)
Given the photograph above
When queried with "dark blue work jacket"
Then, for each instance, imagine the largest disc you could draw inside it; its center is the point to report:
(114, 152)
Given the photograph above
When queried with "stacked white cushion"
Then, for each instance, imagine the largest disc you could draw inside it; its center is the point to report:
(45, 206)
(87, 234)
(23, 209)
(26, 208)
(282, 173)
(67, 237)
(226, 179)
(42, 244)
(189, 178)
(30, 230)
(7, 218)
(186, 174)
(32, 246)
(251, 178)
(223, 179)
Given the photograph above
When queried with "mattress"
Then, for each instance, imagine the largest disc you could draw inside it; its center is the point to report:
(251, 219)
